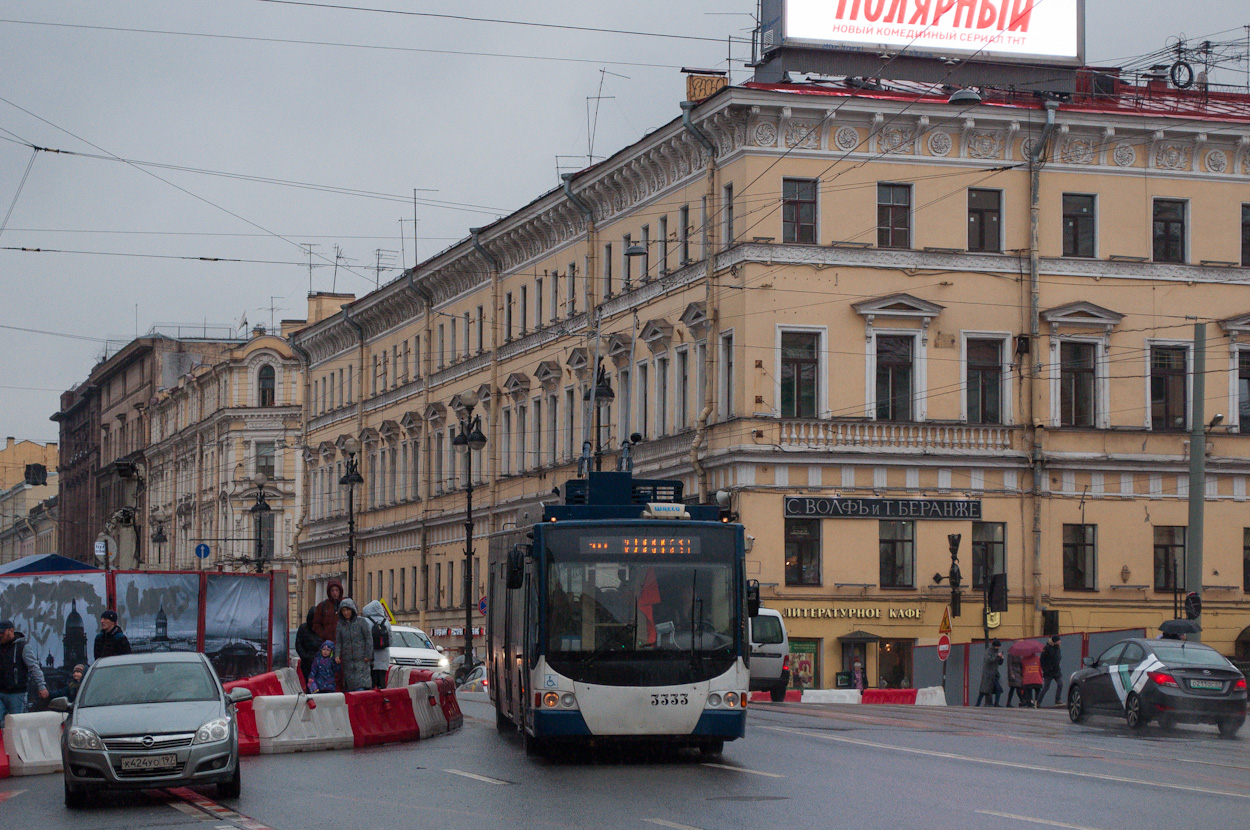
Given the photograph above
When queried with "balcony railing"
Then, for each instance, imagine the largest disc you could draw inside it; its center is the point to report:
(887, 435)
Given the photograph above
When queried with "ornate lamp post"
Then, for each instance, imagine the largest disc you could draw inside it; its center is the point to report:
(600, 395)
(159, 539)
(258, 510)
(351, 477)
(469, 440)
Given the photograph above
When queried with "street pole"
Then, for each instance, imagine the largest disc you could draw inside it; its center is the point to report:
(1197, 466)
(351, 538)
(468, 564)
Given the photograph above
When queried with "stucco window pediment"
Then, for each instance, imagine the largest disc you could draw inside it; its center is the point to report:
(898, 305)
(657, 334)
(1082, 315)
(548, 374)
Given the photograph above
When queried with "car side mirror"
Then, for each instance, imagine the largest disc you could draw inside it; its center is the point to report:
(515, 576)
(239, 695)
(753, 597)
(60, 704)
(440, 649)
(1089, 661)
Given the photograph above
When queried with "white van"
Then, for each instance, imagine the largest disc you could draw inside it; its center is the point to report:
(770, 654)
(410, 647)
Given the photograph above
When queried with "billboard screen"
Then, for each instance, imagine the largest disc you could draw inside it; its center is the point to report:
(1049, 31)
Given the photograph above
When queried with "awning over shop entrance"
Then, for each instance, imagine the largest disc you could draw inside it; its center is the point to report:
(859, 637)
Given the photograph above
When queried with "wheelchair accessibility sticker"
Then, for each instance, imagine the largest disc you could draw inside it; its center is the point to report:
(550, 681)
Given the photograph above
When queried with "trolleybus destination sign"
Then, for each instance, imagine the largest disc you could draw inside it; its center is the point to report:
(852, 508)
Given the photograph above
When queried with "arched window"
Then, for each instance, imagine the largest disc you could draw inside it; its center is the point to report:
(265, 377)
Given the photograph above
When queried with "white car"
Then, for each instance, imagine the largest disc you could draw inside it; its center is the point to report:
(410, 647)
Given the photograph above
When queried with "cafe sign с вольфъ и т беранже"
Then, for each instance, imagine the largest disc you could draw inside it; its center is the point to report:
(802, 507)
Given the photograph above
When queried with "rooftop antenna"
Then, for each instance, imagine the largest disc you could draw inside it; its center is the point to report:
(403, 253)
(272, 309)
(334, 283)
(308, 249)
(416, 248)
(382, 254)
(592, 125)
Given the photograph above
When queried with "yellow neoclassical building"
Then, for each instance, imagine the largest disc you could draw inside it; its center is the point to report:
(874, 319)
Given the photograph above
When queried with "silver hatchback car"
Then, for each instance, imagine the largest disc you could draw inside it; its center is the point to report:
(150, 720)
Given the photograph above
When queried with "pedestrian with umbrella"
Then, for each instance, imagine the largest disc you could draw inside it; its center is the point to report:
(1016, 655)
(1178, 629)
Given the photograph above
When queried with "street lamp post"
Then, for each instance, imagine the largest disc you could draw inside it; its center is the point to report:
(351, 477)
(469, 440)
(258, 510)
(601, 396)
(159, 539)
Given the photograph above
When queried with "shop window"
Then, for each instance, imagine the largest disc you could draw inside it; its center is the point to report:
(985, 220)
(1169, 230)
(798, 210)
(804, 664)
(1079, 224)
(1080, 557)
(1169, 557)
(1077, 384)
(802, 551)
(893, 216)
(894, 664)
(989, 551)
(895, 377)
(985, 381)
(800, 379)
(897, 542)
(1167, 388)
(266, 380)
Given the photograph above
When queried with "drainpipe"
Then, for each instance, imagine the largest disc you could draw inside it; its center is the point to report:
(710, 299)
(302, 485)
(584, 464)
(426, 364)
(1035, 454)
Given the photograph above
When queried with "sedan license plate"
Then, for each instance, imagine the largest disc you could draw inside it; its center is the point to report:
(149, 762)
(1213, 685)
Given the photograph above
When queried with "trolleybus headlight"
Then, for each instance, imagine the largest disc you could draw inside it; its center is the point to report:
(731, 699)
(551, 699)
(713, 699)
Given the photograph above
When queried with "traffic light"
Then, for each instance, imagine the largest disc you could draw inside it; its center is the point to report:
(998, 592)
(1193, 605)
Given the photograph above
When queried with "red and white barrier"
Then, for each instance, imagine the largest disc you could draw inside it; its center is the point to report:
(32, 742)
(381, 716)
(932, 696)
(428, 710)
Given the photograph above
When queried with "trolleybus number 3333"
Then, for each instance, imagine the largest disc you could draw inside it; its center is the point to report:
(670, 700)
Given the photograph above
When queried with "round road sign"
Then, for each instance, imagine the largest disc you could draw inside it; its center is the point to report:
(202, 550)
(481, 606)
(944, 647)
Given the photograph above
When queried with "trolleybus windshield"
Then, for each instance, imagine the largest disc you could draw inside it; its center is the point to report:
(641, 596)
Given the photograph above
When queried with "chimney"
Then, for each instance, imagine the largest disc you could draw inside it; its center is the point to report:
(324, 304)
(702, 84)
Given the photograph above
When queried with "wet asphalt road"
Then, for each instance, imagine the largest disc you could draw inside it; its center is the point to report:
(800, 766)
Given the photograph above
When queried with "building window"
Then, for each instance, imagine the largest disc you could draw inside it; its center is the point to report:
(1167, 388)
(265, 458)
(683, 390)
(1169, 557)
(507, 316)
(1080, 556)
(727, 376)
(1079, 223)
(627, 265)
(570, 407)
(1077, 384)
(644, 402)
(800, 379)
(802, 551)
(466, 343)
(1169, 230)
(442, 345)
(525, 309)
(985, 220)
(521, 437)
(607, 270)
(663, 229)
(683, 233)
(893, 216)
(895, 369)
(798, 210)
(728, 213)
(1243, 390)
(538, 303)
(266, 380)
(1245, 235)
(989, 551)
(661, 395)
(1245, 559)
(985, 381)
(438, 584)
(646, 252)
(481, 329)
(897, 542)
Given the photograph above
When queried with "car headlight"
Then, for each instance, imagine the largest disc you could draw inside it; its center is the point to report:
(80, 738)
(444, 663)
(213, 731)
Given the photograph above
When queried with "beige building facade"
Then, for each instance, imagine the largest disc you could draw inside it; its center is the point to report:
(224, 436)
(834, 308)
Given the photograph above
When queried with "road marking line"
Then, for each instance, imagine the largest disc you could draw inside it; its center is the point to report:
(184, 807)
(476, 777)
(5, 796)
(1010, 764)
(672, 824)
(1036, 820)
(217, 811)
(741, 769)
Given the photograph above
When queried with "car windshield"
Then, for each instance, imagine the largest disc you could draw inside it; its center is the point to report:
(1190, 655)
(410, 639)
(147, 683)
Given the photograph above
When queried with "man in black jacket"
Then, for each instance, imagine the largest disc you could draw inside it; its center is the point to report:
(18, 666)
(111, 640)
(1051, 672)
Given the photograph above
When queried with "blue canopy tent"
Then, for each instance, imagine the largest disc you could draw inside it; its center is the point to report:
(42, 563)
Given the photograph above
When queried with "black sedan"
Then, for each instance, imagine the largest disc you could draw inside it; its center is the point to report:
(1170, 681)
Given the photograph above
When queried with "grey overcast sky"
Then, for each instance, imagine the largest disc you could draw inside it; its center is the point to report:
(338, 98)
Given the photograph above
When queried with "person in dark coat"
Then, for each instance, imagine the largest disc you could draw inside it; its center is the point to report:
(1015, 679)
(111, 641)
(307, 644)
(70, 690)
(1052, 657)
(353, 648)
(990, 687)
(326, 614)
(18, 667)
